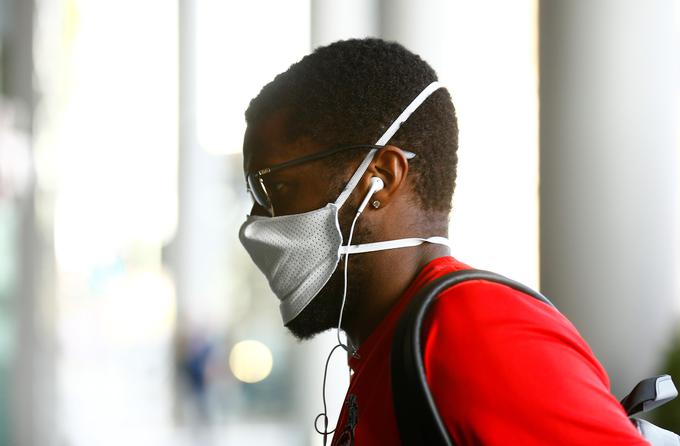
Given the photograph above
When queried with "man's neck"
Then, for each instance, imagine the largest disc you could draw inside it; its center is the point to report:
(391, 273)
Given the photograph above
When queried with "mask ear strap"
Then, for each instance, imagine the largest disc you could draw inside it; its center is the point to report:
(408, 111)
(389, 133)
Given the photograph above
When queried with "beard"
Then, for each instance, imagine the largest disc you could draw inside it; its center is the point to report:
(323, 312)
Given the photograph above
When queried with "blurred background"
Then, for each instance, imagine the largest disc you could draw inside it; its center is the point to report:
(129, 313)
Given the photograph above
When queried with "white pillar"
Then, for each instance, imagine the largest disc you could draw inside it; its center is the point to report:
(422, 26)
(32, 374)
(610, 176)
(185, 262)
(335, 20)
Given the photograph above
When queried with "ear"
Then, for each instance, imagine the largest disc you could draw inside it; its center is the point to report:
(391, 166)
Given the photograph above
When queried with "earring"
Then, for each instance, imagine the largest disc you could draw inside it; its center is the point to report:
(375, 204)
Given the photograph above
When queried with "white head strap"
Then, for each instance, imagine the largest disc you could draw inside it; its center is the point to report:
(393, 244)
(389, 133)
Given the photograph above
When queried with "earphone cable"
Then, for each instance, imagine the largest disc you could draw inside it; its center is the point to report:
(344, 291)
(324, 414)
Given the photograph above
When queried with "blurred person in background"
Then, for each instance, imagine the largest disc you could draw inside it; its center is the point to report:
(352, 150)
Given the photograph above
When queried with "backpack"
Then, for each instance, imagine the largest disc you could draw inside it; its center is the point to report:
(418, 419)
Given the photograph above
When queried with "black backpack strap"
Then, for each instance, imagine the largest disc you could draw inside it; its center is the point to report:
(418, 419)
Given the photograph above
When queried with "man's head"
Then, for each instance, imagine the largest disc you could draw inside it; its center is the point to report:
(348, 94)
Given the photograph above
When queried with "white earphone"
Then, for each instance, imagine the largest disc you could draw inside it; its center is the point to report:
(376, 185)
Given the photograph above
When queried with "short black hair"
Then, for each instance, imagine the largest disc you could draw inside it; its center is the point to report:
(350, 91)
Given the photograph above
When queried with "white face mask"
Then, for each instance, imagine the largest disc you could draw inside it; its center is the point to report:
(299, 253)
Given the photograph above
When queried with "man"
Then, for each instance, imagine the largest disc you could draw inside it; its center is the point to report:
(355, 145)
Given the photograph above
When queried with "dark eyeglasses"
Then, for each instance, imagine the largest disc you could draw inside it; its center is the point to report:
(255, 182)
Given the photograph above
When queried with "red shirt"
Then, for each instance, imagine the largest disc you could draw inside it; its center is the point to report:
(503, 367)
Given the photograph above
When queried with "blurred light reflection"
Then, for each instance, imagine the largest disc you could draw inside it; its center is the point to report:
(250, 361)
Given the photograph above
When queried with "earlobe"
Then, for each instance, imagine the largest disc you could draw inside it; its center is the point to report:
(376, 185)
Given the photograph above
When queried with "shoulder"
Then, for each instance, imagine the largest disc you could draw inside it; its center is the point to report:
(488, 308)
(486, 325)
